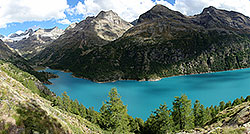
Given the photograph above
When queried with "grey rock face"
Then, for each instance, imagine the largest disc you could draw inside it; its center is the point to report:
(35, 41)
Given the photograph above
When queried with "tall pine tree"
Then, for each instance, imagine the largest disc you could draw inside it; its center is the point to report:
(182, 113)
(114, 115)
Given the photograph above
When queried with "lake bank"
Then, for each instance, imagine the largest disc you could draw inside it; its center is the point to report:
(143, 97)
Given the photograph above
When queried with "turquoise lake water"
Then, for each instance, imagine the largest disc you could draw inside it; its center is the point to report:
(144, 97)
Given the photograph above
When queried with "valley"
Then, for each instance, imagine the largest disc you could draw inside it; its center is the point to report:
(164, 72)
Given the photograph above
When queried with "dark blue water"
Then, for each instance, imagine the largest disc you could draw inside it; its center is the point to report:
(143, 97)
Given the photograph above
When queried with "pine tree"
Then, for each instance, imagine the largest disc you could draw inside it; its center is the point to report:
(222, 105)
(160, 121)
(82, 111)
(75, 107)
(114, 115)
(66, 102)
(208, 114)
(242, 99)
(92, 115)
(203, 116)
(196, 111)
(228, 104)
(247, 98)
(182, 113)
(236, 102)
(212, 111)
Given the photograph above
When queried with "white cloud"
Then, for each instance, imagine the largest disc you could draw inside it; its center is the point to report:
(131, 9)
(127, 9)
(64, 21)
(191, 7)
(31, 10)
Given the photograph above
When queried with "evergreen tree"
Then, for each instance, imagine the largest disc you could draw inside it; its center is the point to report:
(75, 107)
(197, 114)
(208, 114)
(182, 113)
(217, 109)
(114, 115)
(247, 98)
(66, 102)
(212, 111)
(135, 124)
(222, 105)
(203, 116)
(82, 111)
(161, 121)
(228, 104)
(242, 99)
(236, 102)
(92, 115)
(141, 125)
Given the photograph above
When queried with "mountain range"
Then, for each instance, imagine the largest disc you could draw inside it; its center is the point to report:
(31, 42)
(162, 43)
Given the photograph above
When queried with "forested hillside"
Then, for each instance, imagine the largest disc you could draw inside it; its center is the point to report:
(163, 43)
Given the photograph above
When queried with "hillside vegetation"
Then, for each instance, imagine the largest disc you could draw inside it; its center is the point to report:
(27, 109)
(163, 43)
(23, 110)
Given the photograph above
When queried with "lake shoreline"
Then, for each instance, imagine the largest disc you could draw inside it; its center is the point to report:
(142, 80)
(143, 97)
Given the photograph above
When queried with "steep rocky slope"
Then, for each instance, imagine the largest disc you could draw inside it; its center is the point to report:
(165, 43)
(80, 39)
(22, 110)
(10, 55)
(32, 42)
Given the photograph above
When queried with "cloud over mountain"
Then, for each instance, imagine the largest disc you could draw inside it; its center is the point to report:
(31, 10)
(131, 9)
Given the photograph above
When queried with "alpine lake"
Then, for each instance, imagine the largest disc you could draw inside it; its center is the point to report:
(144, 97)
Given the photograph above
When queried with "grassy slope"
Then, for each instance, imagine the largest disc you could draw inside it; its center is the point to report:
(23, 110)
(232, 120)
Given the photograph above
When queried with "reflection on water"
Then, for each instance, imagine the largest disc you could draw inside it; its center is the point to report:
(144, 97)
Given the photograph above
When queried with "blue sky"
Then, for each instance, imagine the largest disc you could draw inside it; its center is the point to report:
(18, 15)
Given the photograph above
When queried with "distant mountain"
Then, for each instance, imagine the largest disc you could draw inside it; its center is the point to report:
(80, 39)
(162, 43)
(9, 54)
(31, 42)
(20, 35)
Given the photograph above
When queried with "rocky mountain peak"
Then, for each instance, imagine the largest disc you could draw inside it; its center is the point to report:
(53, 33)
(71, 26)
(107, 14)
(21, 35)
(212, 17)
(159, 12)
(210, 11)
